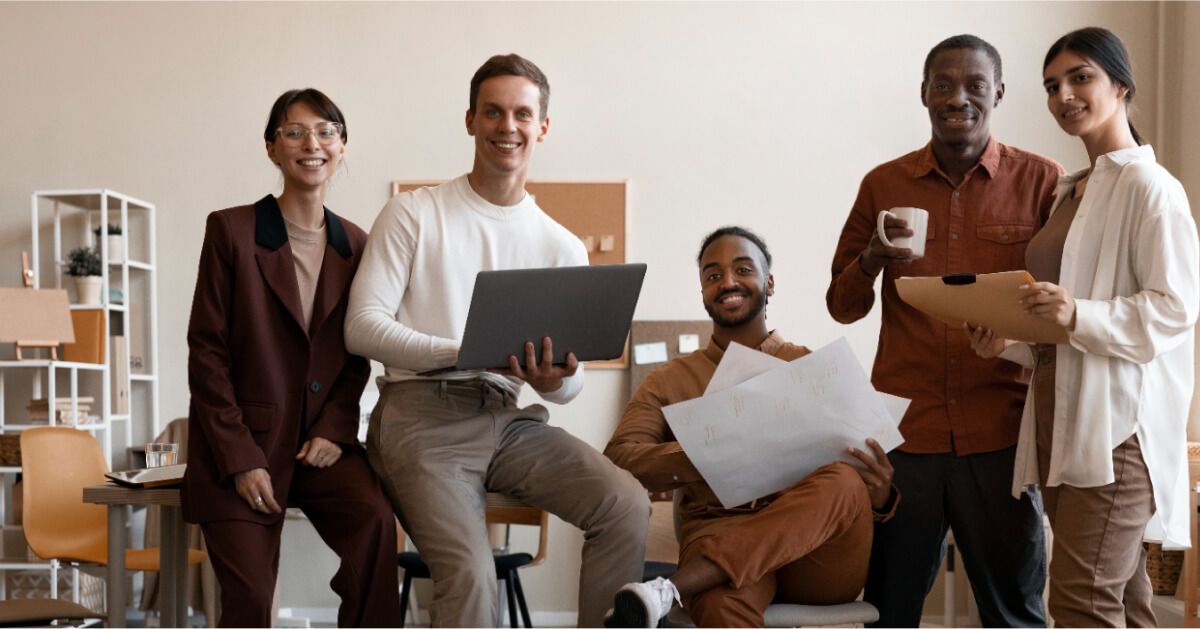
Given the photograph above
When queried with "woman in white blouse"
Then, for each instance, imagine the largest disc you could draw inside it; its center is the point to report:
(1104, 428)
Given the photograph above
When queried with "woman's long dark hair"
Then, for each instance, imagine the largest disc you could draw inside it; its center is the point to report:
(1108, 51)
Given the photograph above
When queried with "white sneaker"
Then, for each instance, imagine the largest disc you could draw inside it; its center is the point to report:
(642, 604)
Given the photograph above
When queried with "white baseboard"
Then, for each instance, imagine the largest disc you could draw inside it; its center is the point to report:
(295, 617)
(554, 619)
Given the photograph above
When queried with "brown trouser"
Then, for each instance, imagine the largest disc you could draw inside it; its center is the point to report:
(1098, 564)
(348, 510)
(439, 446)
(809, 546)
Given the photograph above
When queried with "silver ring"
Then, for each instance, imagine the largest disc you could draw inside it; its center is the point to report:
(258, 500)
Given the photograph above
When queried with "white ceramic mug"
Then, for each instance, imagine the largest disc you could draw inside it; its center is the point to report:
(918, 222)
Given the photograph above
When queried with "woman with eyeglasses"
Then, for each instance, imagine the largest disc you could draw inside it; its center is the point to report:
(274, 413)
(1104, 429)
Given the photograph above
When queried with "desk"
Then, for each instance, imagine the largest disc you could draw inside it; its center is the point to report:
(172, 559)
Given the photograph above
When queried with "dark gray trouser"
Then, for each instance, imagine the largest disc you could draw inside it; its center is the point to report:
(1001, 539)
(438, 447)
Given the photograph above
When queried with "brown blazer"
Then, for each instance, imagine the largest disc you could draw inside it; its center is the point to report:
(261, 381)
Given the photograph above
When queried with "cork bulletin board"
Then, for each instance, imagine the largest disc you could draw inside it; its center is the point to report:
(649, 333)
(593, 211)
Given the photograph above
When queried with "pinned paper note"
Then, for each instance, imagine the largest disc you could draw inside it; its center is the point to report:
(650, 353)
(688, 343)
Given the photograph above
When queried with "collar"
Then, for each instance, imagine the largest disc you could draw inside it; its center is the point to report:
(1125, 156)
(770, 345)
(1114, 159)
(927, 161)
(271, 232)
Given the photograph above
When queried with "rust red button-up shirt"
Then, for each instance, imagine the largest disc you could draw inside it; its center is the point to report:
(960, 402)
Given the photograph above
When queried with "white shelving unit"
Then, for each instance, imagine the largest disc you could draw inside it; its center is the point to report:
(73, 214)
(99, 208)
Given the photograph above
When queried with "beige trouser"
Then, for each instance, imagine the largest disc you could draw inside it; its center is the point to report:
(439, 446)
(1098, 564)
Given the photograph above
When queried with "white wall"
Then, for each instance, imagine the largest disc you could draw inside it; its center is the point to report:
(766, 115)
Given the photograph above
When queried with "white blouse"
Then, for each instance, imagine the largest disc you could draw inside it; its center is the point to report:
(1131, 263)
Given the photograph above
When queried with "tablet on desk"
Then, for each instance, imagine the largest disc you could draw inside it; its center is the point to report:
(150, 477)
(585, 310)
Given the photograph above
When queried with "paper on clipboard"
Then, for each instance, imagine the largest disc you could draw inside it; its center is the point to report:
(987, 299)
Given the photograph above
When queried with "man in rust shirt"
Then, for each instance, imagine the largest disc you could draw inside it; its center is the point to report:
(808, 544)
(985, 200)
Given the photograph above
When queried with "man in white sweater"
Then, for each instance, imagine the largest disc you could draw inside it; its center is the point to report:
(439, 443)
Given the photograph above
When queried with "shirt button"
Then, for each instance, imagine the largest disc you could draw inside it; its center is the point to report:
(953, 361)
(1004, 237)
(315, 387)
(953, 236)
(956, 194)
(953, 401)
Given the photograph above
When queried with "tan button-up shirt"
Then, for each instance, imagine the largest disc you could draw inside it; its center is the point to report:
(644, 444)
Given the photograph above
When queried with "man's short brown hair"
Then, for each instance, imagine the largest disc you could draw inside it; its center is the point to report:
(512, 64)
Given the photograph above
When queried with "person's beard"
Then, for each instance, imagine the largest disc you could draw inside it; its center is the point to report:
(724, 321)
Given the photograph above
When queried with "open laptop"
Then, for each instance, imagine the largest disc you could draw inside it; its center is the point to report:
(585, 310)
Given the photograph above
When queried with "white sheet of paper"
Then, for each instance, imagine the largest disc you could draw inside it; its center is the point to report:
(770, 430)
(648, 353)
(739, 364)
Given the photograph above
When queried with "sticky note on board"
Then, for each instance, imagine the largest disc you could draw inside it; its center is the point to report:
(649, 353)
(688, 343)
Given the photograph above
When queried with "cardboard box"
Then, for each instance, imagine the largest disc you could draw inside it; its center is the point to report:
(89, 337)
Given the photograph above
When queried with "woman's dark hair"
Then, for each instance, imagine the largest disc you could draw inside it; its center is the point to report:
(741, 232)
(317, 101)
(1108, 51)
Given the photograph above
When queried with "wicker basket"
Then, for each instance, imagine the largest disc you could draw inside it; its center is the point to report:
(1164, 567)
(10, 450)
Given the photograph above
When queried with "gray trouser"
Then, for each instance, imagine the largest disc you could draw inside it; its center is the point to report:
(439, 446)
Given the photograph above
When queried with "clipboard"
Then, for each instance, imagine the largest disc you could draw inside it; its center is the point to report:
(987, 299)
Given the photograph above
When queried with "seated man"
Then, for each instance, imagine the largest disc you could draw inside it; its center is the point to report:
(808, 544)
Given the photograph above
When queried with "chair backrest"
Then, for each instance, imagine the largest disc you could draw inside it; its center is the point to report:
(56, 464)
(502, 509)
(176, 431)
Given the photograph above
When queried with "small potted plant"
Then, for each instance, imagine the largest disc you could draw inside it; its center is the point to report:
(116, 249)
(83, 264)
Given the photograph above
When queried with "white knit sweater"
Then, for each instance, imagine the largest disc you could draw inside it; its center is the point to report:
(409, 302)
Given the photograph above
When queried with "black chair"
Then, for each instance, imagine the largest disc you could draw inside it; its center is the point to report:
(651, 570)
(500, 510)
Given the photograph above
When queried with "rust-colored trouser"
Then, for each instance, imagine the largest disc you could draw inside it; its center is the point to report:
(810, 546)
(347, 507)
(1097, 565)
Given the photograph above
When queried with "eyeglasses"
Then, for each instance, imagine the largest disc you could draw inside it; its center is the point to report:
(295, 133)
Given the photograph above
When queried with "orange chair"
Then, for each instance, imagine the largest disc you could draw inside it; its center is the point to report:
(57, 463)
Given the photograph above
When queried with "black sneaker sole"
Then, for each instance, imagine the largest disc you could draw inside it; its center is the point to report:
(628, 611)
